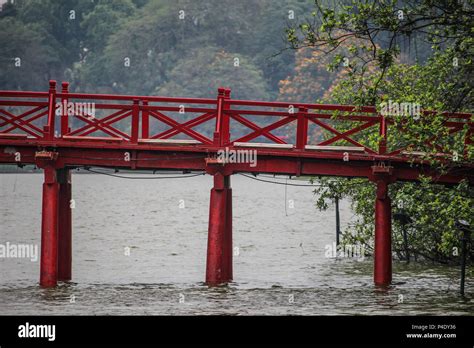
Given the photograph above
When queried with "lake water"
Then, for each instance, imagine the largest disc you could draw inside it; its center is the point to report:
(280, 269)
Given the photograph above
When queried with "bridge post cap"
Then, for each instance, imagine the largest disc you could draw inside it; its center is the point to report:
(136, 100)
(224, 91)
(52, 84)
(65, 87)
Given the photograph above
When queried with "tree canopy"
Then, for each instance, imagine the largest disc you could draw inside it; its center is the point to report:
(373, 43)
(139, 46)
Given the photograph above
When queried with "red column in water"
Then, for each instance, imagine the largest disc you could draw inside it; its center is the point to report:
(383, 236)
(219, 247)
(228, 230)
(49, 229)
(64, 225)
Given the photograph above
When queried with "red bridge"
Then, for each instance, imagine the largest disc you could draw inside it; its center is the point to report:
(161, 133)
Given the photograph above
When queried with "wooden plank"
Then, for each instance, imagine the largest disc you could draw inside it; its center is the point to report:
(170, 141)
(414, 153)
(85, 138)
(13, 136)
(422, 154)
(264, 145)
(335, 148)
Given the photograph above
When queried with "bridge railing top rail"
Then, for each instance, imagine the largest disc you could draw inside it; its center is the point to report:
(23, 94)
(330, 107)
(136, 97)
(231, 102)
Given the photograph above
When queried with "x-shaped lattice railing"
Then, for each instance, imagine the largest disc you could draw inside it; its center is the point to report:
(354, 122)
(345, 135)
(261, 131)
(185, 127)
(22, 122)
(103, 124)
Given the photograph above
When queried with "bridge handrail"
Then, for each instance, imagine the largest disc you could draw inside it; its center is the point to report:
(141, 98)
(236, 102)
(332, 107)
(23, 94)
(329, 107)
(142, 108)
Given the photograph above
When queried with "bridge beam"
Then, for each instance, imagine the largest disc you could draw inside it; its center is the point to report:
(49, 229)
(383, 235)
(219, 247)
(64, 225)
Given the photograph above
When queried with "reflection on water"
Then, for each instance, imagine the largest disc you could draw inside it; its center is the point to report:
(280, 267)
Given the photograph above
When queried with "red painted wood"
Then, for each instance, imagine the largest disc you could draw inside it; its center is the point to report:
(145, 121)
(64, 225)
(49, 230)
(302, 129)
(223, 108)
(49, 128)
(383, 236)
(64, 114)
(219, 246)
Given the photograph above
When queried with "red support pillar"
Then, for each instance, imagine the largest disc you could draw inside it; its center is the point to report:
(219, 247)
(64, 225)
(228, 230)
(383, 236)
(49, 229)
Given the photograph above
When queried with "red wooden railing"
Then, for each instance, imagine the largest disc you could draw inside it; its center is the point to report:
(126, 118)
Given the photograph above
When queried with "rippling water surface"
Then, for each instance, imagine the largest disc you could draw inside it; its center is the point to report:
(281, 268)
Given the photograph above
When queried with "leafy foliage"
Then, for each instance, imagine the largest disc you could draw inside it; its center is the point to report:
(135, 46)
(208, 68)
(442, 82)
